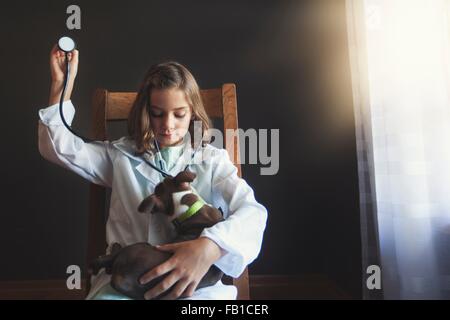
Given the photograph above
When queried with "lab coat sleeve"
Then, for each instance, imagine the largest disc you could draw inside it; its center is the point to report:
(91, 161)
(240, 235)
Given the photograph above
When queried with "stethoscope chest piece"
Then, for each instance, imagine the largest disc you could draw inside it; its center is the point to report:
(66, 44)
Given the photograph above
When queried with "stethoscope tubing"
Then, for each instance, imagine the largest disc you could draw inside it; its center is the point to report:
(87, 140)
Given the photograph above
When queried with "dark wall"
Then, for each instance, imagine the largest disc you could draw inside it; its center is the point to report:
(289, 61)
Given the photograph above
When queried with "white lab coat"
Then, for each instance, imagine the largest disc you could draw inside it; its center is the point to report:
(113, 164)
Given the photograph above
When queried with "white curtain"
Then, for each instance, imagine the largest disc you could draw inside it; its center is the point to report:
(400, 62)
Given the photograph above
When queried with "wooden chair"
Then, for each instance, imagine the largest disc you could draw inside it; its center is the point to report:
(220, 103)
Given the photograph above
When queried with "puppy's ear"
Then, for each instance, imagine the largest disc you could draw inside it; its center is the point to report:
(116, 247)
(150, 204)
(105, 261)
(185, 176)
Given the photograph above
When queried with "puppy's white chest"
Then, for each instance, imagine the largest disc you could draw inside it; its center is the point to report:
(179, 208)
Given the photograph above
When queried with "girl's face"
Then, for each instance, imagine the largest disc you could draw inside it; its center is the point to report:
(170, 115)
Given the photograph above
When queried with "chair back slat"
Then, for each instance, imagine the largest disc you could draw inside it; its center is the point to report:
(119, 104)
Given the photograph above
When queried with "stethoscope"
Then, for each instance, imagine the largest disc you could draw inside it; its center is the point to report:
(67, 45)
(160, 169)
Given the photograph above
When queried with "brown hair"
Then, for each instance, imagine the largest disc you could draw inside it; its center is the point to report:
(165, 75)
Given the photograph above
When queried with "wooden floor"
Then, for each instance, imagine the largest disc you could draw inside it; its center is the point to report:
(262, 287)
(294, 287)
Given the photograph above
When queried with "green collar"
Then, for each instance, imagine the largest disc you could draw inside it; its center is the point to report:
(191, 211)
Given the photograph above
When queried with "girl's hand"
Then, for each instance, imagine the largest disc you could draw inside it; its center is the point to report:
(187, 266)
(58, 70)
(58, 64)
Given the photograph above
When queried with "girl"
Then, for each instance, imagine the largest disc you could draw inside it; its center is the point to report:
(161, 118)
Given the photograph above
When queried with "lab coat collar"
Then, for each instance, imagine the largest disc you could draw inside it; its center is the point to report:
(128, 147)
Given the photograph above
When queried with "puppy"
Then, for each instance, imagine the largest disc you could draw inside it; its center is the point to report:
(173, 197)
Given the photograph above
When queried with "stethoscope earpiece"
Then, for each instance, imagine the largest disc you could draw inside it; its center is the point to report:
(66, 44)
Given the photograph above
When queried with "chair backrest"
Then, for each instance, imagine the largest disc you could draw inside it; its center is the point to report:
(220, 103)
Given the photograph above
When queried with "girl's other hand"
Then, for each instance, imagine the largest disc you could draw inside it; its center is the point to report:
(187, 266)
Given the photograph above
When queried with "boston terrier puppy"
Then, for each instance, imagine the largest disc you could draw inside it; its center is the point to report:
(175, 198)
